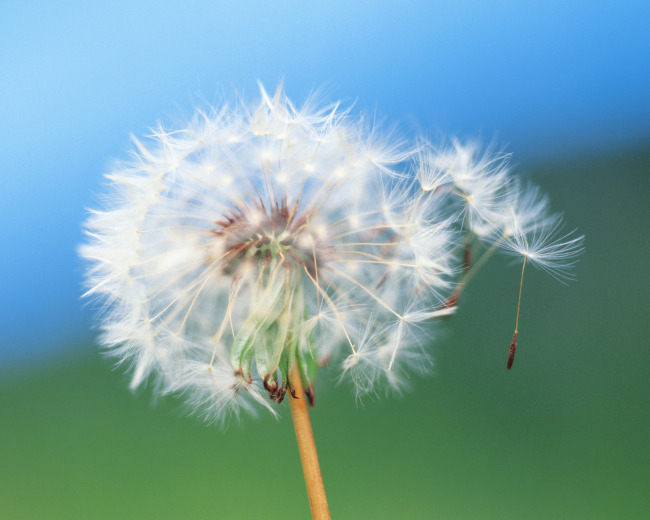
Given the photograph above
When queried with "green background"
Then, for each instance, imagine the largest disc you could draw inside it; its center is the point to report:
(564, 434)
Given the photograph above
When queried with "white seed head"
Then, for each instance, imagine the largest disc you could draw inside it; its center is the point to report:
(260, 238)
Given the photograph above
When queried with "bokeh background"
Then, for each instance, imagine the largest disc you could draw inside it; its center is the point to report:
(565, 434)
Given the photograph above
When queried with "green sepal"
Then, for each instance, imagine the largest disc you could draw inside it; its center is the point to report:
(308, 367)
(263, 355)
(267, 357)
(287, 360)
(241, 353)
(255, 326)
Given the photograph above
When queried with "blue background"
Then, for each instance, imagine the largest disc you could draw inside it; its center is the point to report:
(565, 85)
(546, 78)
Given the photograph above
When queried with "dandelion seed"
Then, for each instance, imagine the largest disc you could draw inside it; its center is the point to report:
(540, 245)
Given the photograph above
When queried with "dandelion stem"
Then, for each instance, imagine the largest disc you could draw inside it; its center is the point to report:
(307, 449)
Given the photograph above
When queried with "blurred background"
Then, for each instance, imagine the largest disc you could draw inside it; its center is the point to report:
(565, 434)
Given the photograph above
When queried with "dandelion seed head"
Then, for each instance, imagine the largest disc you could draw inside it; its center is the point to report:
(264, 236)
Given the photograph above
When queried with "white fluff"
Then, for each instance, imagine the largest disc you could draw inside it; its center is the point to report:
(261, 235)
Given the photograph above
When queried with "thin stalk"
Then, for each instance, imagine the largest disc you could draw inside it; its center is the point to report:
(307, 449)
(473, 269)
(513, 345)
(452, 301)
(521, 284)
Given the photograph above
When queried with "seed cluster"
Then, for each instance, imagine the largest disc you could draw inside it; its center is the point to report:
(267, 237)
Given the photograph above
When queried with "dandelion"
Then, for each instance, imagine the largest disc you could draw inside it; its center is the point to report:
(237, 255)
(539, 242)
